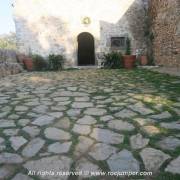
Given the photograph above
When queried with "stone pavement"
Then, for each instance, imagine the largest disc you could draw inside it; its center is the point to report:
(89, 120)
(173, 71)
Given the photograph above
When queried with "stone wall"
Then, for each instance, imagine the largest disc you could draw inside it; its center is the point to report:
(7, 55)
(132, 24)
(165, 19)
(8, 63)
(46, 26)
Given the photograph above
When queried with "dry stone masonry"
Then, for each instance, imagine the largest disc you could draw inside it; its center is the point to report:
(165, 17)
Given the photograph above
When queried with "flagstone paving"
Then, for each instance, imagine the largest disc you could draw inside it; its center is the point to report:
(89, 120)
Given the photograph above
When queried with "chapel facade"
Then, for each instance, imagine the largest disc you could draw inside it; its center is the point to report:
(81, 30)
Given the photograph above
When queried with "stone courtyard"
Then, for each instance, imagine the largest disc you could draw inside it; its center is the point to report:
(89, 120)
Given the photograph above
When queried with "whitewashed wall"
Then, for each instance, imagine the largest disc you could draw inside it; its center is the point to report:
(52, 26)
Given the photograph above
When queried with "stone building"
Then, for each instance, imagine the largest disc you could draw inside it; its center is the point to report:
(81, 30)
(165, 27)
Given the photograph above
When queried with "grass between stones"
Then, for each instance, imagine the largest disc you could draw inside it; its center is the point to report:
(149, 88)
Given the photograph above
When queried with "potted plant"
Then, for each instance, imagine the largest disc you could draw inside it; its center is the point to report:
(20, 58)
(129, 60)
(112, 60)
(39, 63)
(56, 62)
(28, 62)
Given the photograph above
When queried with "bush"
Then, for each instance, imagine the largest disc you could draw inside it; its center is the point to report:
(56, 62)
(113, 60)
(39, 63)
(8, 41)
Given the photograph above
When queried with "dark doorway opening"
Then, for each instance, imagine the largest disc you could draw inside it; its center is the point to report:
(86, 55)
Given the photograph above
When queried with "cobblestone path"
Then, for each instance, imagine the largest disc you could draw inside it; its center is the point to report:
(89, 120)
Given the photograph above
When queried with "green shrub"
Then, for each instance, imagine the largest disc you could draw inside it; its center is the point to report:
(113, 60)
(39, 63)
(8, 41)
(56, 62)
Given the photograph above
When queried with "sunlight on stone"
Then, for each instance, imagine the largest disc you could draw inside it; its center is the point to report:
(151, 130)
(60, 22)
(99, 10)
(143, 121)
(149, 98)
(39, 79)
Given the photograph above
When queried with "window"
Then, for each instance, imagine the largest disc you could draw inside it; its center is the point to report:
(118, 42)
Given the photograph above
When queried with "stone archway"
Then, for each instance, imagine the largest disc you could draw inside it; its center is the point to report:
(86, 54)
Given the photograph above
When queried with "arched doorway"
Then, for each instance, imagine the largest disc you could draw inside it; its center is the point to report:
(86, 54)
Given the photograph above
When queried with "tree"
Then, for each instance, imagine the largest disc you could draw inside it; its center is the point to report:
(8, 41)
